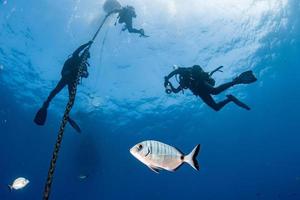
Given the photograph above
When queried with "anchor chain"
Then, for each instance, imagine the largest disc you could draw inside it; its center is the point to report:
(64, 121)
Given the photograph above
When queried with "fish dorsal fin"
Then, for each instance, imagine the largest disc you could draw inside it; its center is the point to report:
(156, 170)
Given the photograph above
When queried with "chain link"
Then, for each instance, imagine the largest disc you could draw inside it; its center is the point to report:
(62, 128)
(63, 124)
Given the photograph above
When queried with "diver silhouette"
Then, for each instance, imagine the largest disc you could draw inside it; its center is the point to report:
(202, 84)
(68, 77)
(126, 15)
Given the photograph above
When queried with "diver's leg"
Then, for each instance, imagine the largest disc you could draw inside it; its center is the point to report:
(130, 28)
(61, 84)
(41, 115)
(221, 88)
(133, 30)
(238, 102)
(244, 78)
(211, 102)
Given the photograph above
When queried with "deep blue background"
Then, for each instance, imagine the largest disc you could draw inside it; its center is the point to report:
(245, 155)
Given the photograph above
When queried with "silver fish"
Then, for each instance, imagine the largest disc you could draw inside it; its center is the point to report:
(82, 177)
(157, 156)
(19, 183)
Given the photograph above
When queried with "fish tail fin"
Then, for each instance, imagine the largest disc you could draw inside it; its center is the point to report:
(9, 187)
(191, 158)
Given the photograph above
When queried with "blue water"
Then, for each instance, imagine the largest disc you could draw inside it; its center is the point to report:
(245, 155)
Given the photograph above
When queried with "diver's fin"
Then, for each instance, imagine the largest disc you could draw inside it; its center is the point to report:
(41, 116)
(246, 77)
(145, 36)
(142, 33)
(74, 125)
(238, 102)
(191, 158)
(156, 170)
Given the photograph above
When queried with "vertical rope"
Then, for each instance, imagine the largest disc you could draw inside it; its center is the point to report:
(97, 32)
(64, 121)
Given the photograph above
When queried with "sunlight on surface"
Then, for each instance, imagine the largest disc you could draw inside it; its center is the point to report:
(184, 32)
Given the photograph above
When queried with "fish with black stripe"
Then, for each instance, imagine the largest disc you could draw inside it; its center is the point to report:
(157, 156)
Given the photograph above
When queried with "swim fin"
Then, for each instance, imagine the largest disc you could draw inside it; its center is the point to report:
(74, 125)
(142, 33)
(245, 78)
(145, 36)
(238, 102)
(41, 116)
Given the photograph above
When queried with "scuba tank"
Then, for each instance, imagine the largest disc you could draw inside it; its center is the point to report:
(198, 74)
(68, 67)
(207, 78)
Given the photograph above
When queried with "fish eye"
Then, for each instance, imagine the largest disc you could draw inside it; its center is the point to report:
(140, 147)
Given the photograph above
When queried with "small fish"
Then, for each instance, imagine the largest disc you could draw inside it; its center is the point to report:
(157, 156)
(82, 177)
(19, 183)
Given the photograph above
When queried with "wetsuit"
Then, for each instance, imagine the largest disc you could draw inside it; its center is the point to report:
(126, 14)
(201, 85)
(69, 73)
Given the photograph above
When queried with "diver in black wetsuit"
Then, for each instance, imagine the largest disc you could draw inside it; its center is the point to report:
(69, 73)
(68, 77)
(125, 15)
(202, 84)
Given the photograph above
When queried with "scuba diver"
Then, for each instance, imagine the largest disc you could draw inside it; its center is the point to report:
(68, 78)
(202, 84)
(125, 15)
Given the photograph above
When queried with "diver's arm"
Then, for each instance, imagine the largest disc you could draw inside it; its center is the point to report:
(169, 86)
(167, 82)
(173, 73)
(175, 90)
(82, 47)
